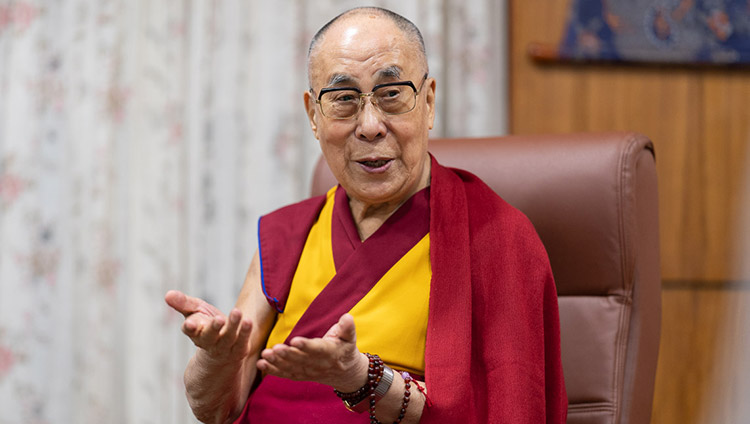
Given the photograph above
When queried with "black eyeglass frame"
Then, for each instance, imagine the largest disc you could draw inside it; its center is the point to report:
(363, 95)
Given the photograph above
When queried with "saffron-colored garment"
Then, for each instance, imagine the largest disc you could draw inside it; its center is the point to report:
(381, 313)
(492, 353)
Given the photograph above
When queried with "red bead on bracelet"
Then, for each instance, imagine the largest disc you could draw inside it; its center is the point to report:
(373, 378)
(405, 402)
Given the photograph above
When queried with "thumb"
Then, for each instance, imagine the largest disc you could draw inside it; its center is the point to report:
(176, 299)
(344, 329)
(185, 304)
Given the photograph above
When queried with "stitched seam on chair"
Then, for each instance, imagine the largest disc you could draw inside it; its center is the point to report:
(590, 407)
(624, 170)
(623, 299)
(619, 181)
(620, 177)
(591, 404)
(620, 358)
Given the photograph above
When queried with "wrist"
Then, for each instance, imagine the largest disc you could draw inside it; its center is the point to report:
(206, 361)
(357, 376)
(379, 380)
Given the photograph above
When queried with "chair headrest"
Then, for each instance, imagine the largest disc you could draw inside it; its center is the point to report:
(577, 189)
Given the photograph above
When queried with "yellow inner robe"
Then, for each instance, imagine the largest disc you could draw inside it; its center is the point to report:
(391, 320)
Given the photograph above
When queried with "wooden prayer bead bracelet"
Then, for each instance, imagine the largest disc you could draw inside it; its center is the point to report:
(379, 380)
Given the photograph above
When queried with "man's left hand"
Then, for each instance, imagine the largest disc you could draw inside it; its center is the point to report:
(333, 359)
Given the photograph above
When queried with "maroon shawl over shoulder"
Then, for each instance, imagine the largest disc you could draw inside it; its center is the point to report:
(493, 336)
(493, 332)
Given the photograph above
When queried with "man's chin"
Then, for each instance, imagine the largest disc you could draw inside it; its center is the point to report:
(374, 192)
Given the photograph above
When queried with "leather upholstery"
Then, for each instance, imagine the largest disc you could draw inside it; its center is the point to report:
(593, 200)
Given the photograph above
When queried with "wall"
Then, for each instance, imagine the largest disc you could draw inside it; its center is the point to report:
(699, 120)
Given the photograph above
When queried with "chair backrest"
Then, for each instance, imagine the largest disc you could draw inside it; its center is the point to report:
(593, 200)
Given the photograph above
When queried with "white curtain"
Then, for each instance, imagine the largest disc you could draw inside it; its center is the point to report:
(139, 142)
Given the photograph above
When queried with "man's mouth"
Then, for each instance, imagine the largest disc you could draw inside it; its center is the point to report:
(374, 163)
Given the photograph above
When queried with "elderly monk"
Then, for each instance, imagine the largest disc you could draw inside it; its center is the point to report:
(409, 293)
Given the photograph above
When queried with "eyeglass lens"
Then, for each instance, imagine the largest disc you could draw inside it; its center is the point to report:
(392, 99)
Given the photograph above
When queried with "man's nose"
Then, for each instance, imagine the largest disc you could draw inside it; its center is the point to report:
(370, 125)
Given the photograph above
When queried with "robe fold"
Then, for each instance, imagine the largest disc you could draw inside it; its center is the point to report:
(492, 352)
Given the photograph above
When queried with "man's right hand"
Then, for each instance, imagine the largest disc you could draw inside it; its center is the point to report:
(219, 377)
(223, 340)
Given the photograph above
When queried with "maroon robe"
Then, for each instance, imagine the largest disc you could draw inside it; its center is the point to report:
(493, 336)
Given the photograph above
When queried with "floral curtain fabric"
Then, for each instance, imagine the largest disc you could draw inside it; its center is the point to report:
(139, 142)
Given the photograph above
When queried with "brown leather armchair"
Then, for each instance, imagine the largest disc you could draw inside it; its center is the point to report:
(593, 200)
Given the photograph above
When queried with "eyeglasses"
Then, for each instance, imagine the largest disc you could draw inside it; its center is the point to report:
(393, 98)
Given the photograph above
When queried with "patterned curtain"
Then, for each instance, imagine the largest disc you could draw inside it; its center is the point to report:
(139, 142)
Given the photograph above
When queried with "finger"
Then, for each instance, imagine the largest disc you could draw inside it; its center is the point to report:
(283, 356)
(311, 358)
(268, 368)
(269, 355)
(283, 370)
(299, 342)
(289, 354)
(279, 351)
(310, 347)
(262, 365)
(325, 348)
(211, 333)
(243, 338)
(229, 332)
(204, 331)
(194, 324)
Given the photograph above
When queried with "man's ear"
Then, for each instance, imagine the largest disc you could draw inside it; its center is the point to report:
(430, 98)
(312, 112)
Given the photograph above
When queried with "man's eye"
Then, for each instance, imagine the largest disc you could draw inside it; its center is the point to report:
(389, 94)
(345, 98)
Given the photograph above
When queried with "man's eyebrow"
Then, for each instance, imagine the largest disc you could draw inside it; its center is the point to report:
(340, 79)
(392, 71)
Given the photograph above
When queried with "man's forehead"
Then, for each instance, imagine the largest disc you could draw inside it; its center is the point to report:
(362, 47)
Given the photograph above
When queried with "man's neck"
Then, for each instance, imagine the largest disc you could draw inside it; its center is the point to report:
(368, 217)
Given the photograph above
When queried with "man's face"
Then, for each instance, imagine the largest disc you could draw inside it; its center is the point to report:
(377, 158)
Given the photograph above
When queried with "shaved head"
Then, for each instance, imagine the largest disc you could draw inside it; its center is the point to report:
(410, 31)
